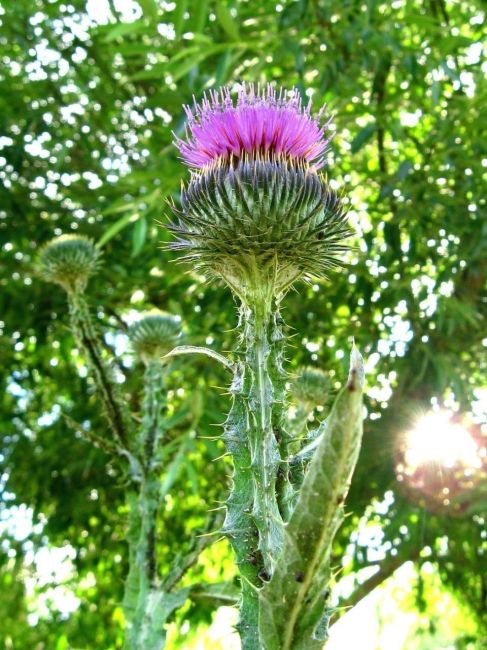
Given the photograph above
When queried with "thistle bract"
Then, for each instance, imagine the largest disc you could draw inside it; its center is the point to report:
(69, 260)
(154, 335)
(312, 387)
(256, 209)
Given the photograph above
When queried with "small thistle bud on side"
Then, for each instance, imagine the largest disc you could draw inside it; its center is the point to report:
(69, 260)
(312, 388)
(154, 335)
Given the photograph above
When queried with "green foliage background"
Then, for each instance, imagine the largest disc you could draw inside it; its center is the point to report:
(90, 95)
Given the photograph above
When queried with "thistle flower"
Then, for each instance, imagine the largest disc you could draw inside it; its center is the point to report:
(69, 260)
(262, 122)
(256, 209)
(312, 387)
(154, 335)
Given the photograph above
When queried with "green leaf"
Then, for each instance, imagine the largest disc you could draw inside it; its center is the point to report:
(193, 349)
(226, 20)
(362, 137)
(150, 9)
(62, 643)
(139, 236)
(404, 169)
(116, 228)
(174, 469)
(217, 594)
(160, 606)
(392, 235)
(200, 16)
(180, 10)
(293, 603)
(123, 29)
(187, 59)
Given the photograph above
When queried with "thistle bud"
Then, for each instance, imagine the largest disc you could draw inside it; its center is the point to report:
(256, 205)
(312, 388)
(69, 260)
(155, 334)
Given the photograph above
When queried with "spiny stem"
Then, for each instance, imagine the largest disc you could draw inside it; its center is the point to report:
(278, 376)
(109, 392)
(239, 526)
(143, 556)
(153, 429)
(258, 321)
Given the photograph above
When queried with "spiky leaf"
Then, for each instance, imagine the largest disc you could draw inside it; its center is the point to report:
(293, 604)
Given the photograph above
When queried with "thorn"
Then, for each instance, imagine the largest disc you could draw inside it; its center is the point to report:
(215, 532)
(217, 509)
(227, 453)
(256, 589)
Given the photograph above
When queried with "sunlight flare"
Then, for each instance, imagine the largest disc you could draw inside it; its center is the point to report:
(437, 438)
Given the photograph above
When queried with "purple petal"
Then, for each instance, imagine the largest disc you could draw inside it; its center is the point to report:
(261, 121)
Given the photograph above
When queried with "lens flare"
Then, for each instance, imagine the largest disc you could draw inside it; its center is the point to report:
(436, 438)
(442, 462)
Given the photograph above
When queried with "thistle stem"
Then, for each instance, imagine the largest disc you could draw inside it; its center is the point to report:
(239, 526)
(258, 322)
(85, 333)
(143, 583)
(285, 439)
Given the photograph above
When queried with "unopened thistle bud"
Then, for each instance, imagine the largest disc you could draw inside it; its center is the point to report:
(154, 335)
(256, 206)
(312, 388)
(69, 260)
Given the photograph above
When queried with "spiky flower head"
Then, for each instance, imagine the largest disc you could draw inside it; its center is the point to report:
(154, 335)
(256, 208)
(312, 387)
(69, 260)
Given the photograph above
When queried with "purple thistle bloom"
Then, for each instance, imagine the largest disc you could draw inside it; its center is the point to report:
(256, 211)
(262, 124)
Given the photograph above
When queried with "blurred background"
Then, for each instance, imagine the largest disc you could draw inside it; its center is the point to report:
(90, 95)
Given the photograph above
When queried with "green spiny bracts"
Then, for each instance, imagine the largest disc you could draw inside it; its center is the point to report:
(69, 260)
(311, 388)
(246, 216)
(154, 335)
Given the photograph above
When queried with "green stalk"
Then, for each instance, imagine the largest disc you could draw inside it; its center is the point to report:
(263, 445)
(255, 436)
(108, 389)
(145, 631)
(239, 526)
(279, 420)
